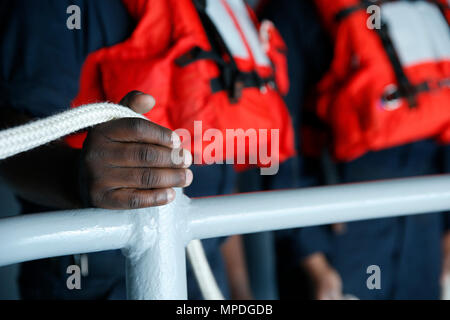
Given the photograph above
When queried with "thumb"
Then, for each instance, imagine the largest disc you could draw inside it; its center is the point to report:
(139, 102)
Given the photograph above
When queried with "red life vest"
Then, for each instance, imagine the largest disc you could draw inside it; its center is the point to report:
(202, 60)
(389, 86)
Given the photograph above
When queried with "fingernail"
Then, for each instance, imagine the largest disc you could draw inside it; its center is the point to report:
(189, 178)
(171, 194)
(176, 141)
(152, 102)
(187, 158)
(143, 103)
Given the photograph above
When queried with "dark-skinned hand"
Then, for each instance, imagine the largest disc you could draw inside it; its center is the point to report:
(128, 163)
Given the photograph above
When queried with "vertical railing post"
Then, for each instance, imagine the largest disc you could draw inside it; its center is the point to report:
(156, 256)
(158, 274)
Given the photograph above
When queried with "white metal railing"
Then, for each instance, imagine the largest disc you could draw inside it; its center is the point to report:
(154, 240)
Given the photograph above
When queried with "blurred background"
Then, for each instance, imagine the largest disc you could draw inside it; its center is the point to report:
(368, 98)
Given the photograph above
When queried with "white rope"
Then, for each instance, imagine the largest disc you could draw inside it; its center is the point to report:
(34, 134)
(203, 274)
(27, 137)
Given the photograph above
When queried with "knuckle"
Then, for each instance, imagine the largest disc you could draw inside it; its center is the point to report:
(90, 156)
(150, 179)
(152, 199)
(150, 155)
(93, 152)
(101, 153)
(97, 132)
(146, 154)
(134, 201)
(164, 136)
(141, 154)
(95, 156)
(136, 125)
(159, 157)
(88, 159)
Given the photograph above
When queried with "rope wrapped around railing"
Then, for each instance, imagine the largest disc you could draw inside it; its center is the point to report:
(24, 138)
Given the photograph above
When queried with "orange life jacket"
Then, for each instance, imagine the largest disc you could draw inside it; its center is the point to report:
(202, 60)
(388, 86)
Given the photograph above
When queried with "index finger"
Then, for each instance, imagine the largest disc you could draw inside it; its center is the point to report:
(136, 130)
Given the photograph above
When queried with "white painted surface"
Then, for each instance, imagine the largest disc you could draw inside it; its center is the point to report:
(230, 33)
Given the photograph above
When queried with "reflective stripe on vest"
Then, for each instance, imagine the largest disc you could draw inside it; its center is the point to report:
(233, 22)
(418, 30)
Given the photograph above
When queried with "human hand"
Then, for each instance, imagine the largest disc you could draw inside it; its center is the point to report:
(326, 280)
(128, 163)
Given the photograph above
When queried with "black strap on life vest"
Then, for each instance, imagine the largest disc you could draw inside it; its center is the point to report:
(406, 89)
(231, 79)
(426, 86)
